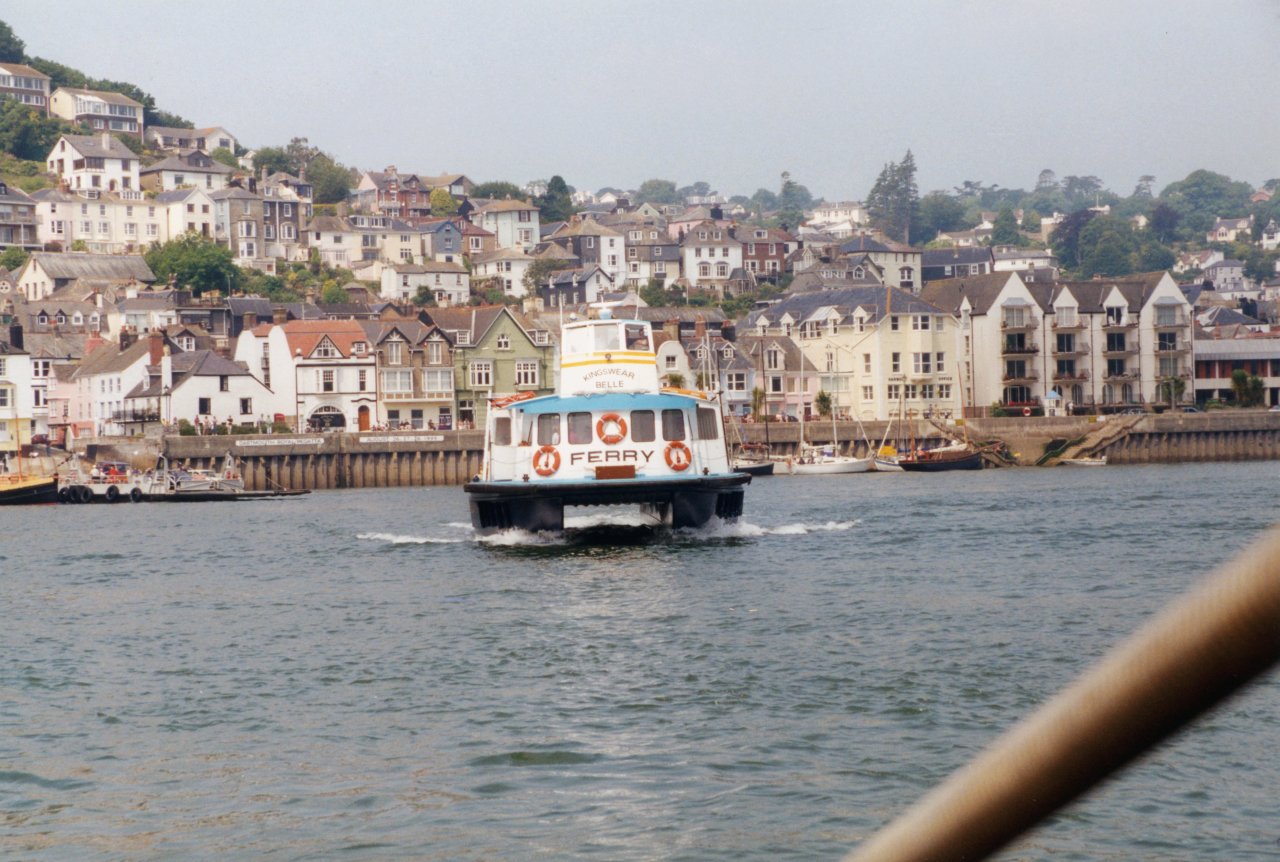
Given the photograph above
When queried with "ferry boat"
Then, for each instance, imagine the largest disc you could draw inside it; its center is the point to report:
(611, 435)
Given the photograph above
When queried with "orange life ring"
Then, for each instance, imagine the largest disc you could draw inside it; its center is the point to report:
(678, 456)
(1026, 411)
(619, 424)
(546, 460)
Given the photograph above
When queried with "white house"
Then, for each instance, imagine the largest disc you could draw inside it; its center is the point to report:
(105, 222)
(188, 210)
(47, 271)
(107, 374)
(400, 282)
(710, 254)
(16, 399)
(193, 168)
(199, 386)
(94, 162)
(98, 109)
(505, 267)
(322, 373)
(513, 222)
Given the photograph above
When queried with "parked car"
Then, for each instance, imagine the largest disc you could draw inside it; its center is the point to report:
(1132, 411)
(40, 439)
(1190, 410)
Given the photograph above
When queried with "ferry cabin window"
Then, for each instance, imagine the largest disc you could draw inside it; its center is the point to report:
(501, 431)
(579, 428)
(549, 429)
(636, 337)
(607, 338)
(642, 426)
(707, 428)
(526, 426)
(672, 424)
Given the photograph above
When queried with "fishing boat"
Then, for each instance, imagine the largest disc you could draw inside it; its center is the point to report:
(610, 436)
(752, 459)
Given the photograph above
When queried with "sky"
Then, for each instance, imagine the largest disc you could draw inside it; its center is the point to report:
(730, 93)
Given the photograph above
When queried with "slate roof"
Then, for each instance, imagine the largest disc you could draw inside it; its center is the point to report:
(980, 290)
(932, 257)
(75, 264)
(504, 205)
(193, 162)
(802, 306)
(113, 98)
(91, 145)
(863, 242)
(1136, 289)
(186, 366)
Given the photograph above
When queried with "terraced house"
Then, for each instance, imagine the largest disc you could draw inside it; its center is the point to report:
(496, 352)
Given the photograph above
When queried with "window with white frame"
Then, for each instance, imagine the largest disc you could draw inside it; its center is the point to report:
(481, 374)
(504, 342)
(922, 363)
(397, 381)
(437, 382)
(736, 381)
(527, 372)
(939, 362)
(920, 322)
(868, 393)
(395, 352)
(895, 363)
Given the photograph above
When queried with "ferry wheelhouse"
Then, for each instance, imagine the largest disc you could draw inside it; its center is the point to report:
(611, 435)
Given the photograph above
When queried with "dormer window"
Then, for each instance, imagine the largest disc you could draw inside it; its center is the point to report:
(61, 318)
(359, 347)
(325, 350)
(42, 319)
(77, 319)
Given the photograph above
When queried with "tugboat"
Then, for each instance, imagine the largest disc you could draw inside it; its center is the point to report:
(611, 435)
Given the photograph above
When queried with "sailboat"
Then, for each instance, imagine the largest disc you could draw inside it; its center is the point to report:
(824, 460)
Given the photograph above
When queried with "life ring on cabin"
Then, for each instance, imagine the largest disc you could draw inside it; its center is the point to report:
(677, 456)
(546, 460)
(1026, 411)
(113, 493)
(136, 495)
(619, 425)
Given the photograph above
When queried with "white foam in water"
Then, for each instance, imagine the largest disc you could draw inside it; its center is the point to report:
(718, 529)
(396, 539)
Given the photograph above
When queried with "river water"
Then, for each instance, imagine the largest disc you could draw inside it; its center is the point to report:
(353, 675)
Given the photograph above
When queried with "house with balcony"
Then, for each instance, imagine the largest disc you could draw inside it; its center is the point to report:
(876, 350)
(99, 110)
(26, 85)
(497, 352)
(190, 168)
(205, 140)
(94, 163)
(105, 222)
(18, 222)
(322, 373)
(286, 210)
(1218, 358)
(393, 194)
(709, 256)
(415, 374)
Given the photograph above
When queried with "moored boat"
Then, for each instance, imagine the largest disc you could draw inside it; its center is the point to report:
(18, 490)
(611, 435)
(957, 456)
(815, 461)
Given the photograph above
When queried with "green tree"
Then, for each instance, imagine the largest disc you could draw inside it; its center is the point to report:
(938, 213)
(535, 277)
(1107, 246)
(274, 159)
(1249, 388)
(556, 204)
(12, 258)
(1065, 239)
(12, 49)
(499, 189)
(1004, 230)
(330, 181)
(757, 402)
(822, 403)
(892, 201)
(1163, 221)
(28, 134)
(1031, 222)
(442, 203)
(656, 295)
(333, 293)
(426, 296)
(1155, 255)
(1204, 196)
(198, 263)
(657, 192)
(226, 157)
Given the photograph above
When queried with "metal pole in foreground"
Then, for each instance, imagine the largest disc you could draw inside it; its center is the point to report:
(1193, 655)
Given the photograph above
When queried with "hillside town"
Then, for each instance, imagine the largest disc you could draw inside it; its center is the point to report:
(418, 297)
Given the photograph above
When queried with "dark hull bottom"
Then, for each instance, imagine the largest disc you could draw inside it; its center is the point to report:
(761, 468)
(46, 492)
(540, 507)
(212, 496)
(938, 465)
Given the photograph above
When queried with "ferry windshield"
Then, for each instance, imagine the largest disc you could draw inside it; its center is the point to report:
(607, 338)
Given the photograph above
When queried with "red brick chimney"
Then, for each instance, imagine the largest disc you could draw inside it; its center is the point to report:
(156, 346)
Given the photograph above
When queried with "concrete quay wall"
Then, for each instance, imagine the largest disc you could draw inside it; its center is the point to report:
(338, 460)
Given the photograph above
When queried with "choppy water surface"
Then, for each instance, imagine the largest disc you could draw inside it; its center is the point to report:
(352, 675)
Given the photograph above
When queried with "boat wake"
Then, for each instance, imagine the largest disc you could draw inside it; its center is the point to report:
(632, 530)
(745, 530)
(397, 539)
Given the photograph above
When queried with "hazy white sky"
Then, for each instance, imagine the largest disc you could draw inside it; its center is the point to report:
(733, 93)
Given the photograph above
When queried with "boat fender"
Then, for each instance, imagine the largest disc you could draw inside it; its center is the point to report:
(546, 461)
(113, 493)
(678, 456)
(1026, 411)
(136, 495)
(616, 434)
(84, 494)
(64, 495)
